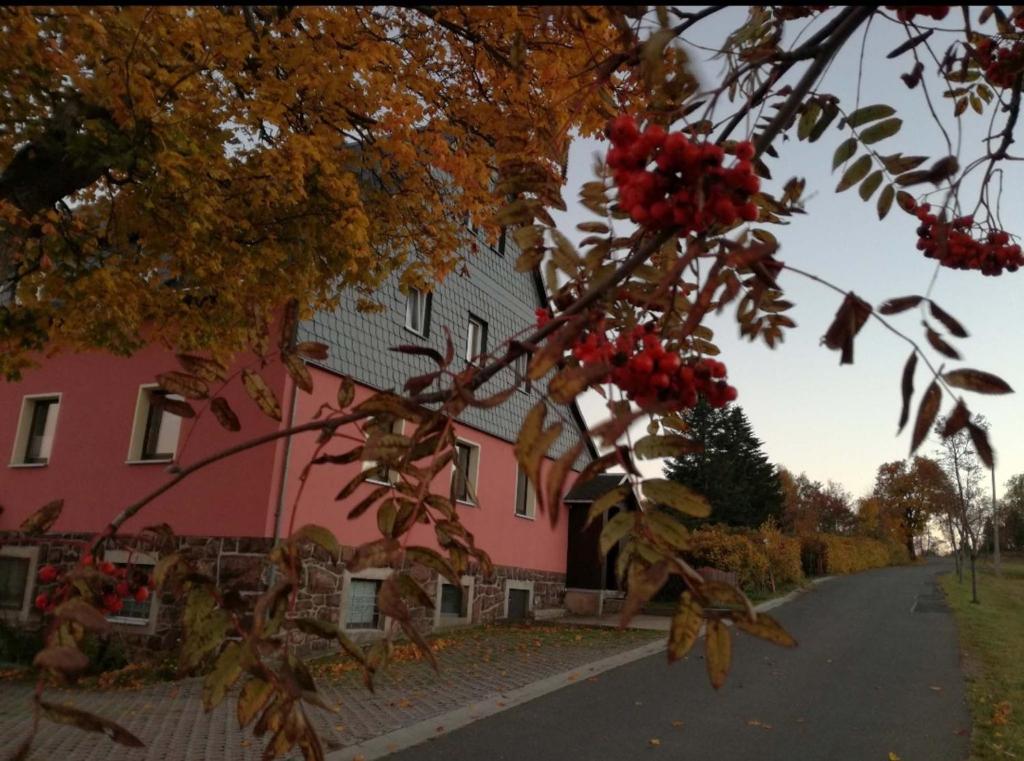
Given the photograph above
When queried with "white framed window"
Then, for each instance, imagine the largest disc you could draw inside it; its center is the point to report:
(139, 567)
(155, 430)
(360, 602)
(476, 338)
(526, 495)
(518, 600)
(454, 604)
(37, 426)
(417, 311)
(17, 574)
(382, 474)
(465, 470)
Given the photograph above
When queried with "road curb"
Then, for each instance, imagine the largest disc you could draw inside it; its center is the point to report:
(429, 729)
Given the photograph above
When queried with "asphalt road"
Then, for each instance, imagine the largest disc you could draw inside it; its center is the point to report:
(876, 672)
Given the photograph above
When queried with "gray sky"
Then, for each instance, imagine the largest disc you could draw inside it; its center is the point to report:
(813, 415)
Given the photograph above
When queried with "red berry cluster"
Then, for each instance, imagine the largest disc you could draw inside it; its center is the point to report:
(651, 375)
(688, 187)
(1002, 63)
(908, 12)
(951, 243)
(120, 584)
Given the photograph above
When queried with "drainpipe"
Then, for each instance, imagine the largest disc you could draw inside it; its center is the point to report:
(279, 512)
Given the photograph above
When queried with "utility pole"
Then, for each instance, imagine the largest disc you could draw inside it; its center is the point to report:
(995, 525)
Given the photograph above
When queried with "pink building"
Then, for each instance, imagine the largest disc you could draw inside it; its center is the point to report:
(89, 429)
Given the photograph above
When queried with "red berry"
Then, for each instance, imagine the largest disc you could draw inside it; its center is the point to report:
(745, 151)
(108, 569)
(122, 589)
(42, 601)
(48, 574)
(141, 594)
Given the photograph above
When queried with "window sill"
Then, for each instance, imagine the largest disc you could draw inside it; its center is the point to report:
(129, 621)
(28, 464)
(526, 517)
(415, 332)
(168, 461)
(467, 504)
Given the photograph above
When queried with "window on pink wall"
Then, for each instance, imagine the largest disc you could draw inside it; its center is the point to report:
(464, 472)
(526, 496)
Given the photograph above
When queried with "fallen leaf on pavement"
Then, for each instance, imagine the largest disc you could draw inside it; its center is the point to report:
(677, 723)
(654, 742)
(759, 723)
(936, 689)
(893, 756)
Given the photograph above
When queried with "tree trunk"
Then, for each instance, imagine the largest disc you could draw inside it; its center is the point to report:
(974, 580)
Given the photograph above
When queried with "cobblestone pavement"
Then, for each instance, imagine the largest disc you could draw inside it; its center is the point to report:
(475, 663)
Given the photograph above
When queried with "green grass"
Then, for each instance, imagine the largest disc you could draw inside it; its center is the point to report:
(992, 641)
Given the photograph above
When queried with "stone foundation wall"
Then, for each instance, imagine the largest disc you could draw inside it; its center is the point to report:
(241, 568)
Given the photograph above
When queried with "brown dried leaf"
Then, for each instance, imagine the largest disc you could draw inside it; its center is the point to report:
(209, 370)
(957, 420)
(849, 319)
(173, 406)
(978, 381)
(766, 628)
(671, 445)
(297, 369)
(422, 351)
(373, 554)
(939, 345)
(557, 475)
(979, 437)
(642, 584)
(952, 325)
(312, 350)
(260, 392)
(224, 414)
(907, 389)
(900, 304)
(926, 415)
(677, 496)
(569, 382)
(77, 609)
(63, 658)
(62, 714)
(254, 697)
(346, 392)
(183, 384)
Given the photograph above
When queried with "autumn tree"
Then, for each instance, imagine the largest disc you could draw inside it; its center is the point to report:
(163, 167)
(966, 512)
(1011, 515)
(912, 491)
(810, 507)
(731, 470)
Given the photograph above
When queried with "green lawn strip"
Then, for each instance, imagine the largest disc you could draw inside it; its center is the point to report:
(992, 641)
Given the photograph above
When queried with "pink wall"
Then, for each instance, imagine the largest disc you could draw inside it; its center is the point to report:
(87, 463)
(509, 539)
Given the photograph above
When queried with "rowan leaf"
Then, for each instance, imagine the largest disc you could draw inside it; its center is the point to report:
(346, 392)
(880, 131)
(939, 345)
(78, 610)
(672, 445)
(907, 389)
(767, 628)
(435, 561)
(297, 369)
(807, 120)
(570, 382)
(224, 674)
(870, 185)
(209, 370)
(869, 114)
(717, 651)
(605, 502)
(557, 476)
(254, 697)
(957, 420)
(42, 519)
(614, 530)
(951, 324)
(668, 529)
(422, 351)
(63, 658)
(643, 583)
(979, 437)
(260, 392)
(312, 350)
(677, 496)
(225, 415)
(906, 201)
(63, 714)
(373, 554)
(685, 627)
(173, 406)
(978, 381)
(926, 415)
(183, 384)
(885, 199)
(858, 171)
(901, 304)
(844, 152)
(320, 536)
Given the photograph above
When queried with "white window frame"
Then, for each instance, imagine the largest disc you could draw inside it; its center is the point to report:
(393, 476)
(32, 553)
(474, 472)
(28, 405)
(131, 557)
(511, 584)
(531, 495)
(468, 584)
(475, 348)
(418, 307)
(368, 574)
(143, 402)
